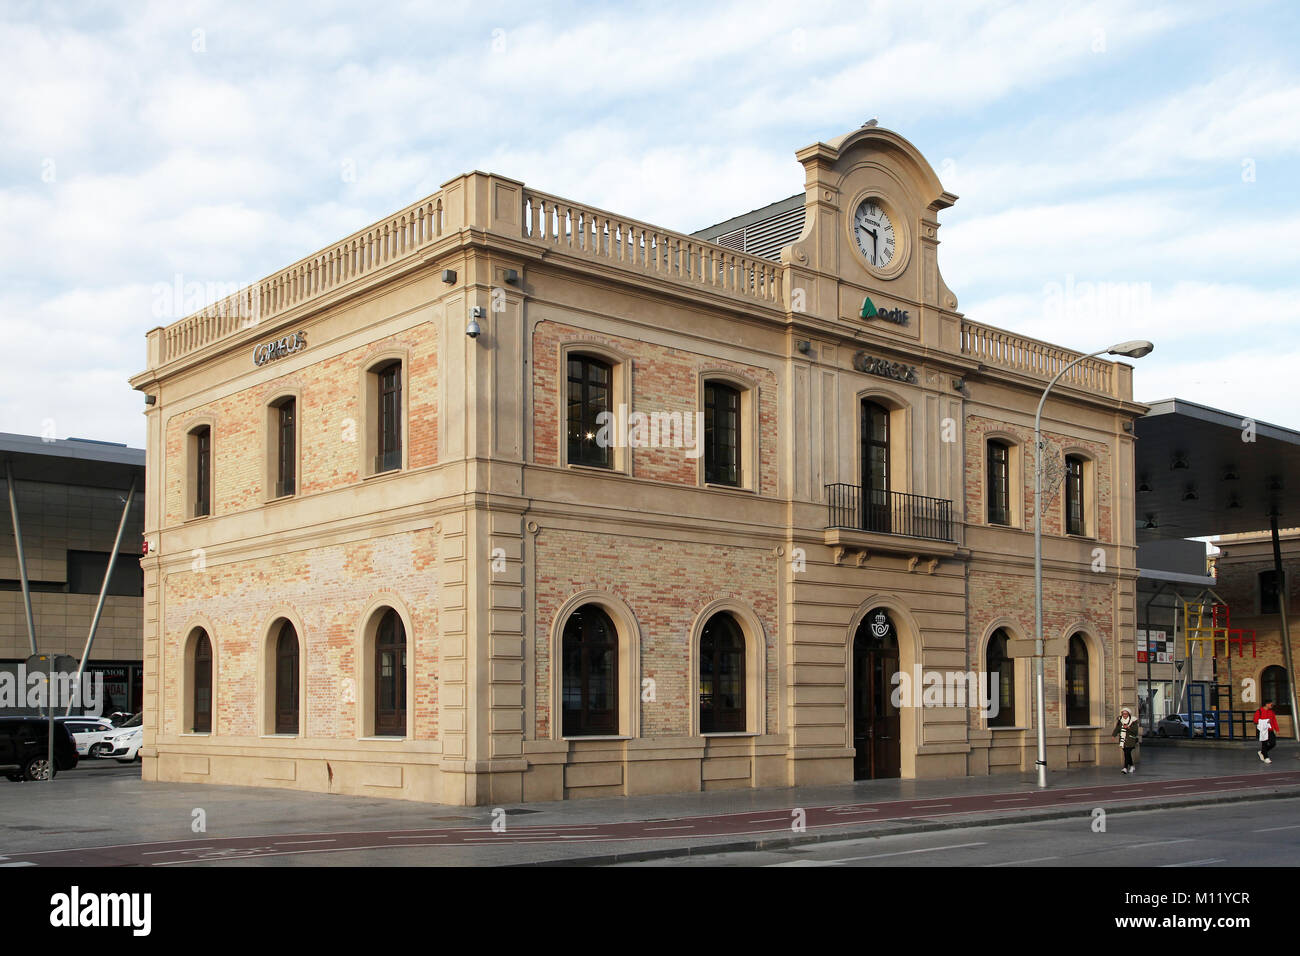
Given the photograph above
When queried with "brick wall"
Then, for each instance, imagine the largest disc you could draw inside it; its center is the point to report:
(330, 426)
(663, 380)
(666, 585)
(329, 589)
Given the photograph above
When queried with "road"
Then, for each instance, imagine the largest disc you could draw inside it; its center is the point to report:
(1256, 833)
(102, 815)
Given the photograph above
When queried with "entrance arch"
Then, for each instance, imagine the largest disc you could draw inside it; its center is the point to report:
(876, 723)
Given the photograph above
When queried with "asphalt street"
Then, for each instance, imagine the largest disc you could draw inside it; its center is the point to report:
(1256, 833)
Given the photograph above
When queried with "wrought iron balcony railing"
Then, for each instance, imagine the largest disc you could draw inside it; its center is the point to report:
(889, 512)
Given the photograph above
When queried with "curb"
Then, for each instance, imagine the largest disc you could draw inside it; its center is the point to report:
(839, 835)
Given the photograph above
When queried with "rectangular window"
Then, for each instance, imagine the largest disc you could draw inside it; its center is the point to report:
(589, 385)
(721, 434)
(202, 471)
(86, 574)
(999, 484)
(286, 448)
(389, 445)
(1074, 516)
(1268, 592)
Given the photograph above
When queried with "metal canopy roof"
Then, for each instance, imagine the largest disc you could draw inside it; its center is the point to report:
(72, 461)
(1185, 450)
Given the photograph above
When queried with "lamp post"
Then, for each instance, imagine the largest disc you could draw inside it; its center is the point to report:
(1134, 349)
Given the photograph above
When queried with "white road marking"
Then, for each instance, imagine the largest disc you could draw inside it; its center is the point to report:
(772, 820)
(17, 864)
(1012, 800)
(183, 849)
(301, 842)
(1293, 826)
(1196, 863)
(1138, 846)
(932, 806)
(689, 826)
(432, 836)
(1037, 859)
(1179, 786)
(929, 849)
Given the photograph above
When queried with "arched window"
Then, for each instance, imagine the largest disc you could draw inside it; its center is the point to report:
(202, 684)
(1078, 704)
(390, 676)
(286, 680)
(999, 482)
(874, 426)
(721, 434)
(388, 419)
(1076, 518)
(722, 676)
(590, 386)
(1273, 686)
(284, 445)
(590, 674)
(1002, 676)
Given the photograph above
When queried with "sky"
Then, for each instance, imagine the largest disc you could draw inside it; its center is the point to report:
(1125, 170)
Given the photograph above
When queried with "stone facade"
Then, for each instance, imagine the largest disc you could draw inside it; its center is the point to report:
(486, 538)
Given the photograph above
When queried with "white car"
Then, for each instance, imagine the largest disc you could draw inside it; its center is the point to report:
(90, 734)
(125, 744)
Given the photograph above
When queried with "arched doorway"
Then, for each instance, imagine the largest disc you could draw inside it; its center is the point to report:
(877, 727)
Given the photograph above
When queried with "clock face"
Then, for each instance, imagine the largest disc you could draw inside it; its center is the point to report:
(875, 233)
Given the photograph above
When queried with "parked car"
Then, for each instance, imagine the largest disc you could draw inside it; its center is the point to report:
(91, 734)
(125, 744)
(25, 748)
(1175, 725)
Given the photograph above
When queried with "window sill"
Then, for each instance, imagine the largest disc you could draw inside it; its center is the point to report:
(713, 486)
(1005, 730)
(611, 737)
(731, 733)
(597, 469)
(280, 736)
(196, 733)
(197, 518)
(384, 474)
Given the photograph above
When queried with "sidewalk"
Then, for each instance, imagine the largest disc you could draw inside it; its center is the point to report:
(116, 819)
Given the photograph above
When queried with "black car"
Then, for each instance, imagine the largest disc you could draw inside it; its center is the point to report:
(25, 748)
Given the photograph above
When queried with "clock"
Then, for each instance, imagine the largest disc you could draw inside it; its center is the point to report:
(874, 233)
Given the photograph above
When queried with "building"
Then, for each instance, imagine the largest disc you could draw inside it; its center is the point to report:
(67, 501)
(1205, 472)
(507, 498)
(1248, 582)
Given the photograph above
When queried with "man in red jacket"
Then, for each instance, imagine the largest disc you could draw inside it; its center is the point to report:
(1266, 721)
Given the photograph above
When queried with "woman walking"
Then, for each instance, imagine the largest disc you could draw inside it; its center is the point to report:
(1128, 732)
(1266, 721)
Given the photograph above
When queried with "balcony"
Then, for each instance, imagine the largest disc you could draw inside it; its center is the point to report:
(889, 512)
(889, 521)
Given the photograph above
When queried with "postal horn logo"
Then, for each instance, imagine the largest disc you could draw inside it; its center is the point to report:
(880, 625)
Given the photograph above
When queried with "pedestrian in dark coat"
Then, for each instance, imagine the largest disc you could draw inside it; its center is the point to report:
(1128, 731)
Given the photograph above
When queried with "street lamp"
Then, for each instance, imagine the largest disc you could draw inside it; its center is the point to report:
(1134, 349)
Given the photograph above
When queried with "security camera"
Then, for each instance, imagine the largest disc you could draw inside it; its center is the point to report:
(472, 330)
